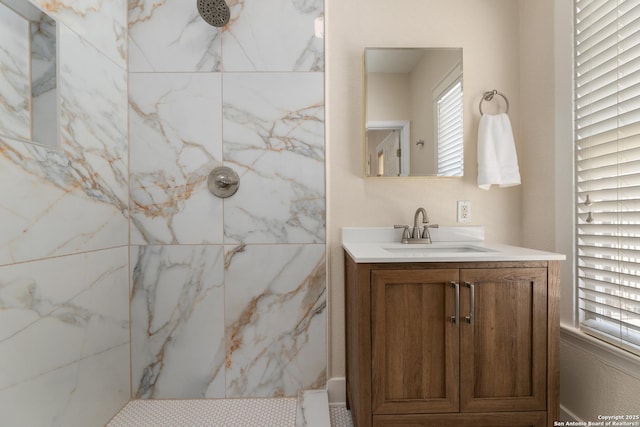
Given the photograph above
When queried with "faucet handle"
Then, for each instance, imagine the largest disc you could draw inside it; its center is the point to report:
(405, 233)
(425, 230)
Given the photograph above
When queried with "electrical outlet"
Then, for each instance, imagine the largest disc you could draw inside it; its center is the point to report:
(464, 210)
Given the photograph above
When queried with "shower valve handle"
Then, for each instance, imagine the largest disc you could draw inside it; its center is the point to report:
(223, 182)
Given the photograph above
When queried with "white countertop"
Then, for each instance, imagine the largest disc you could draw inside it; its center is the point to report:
(450, 244)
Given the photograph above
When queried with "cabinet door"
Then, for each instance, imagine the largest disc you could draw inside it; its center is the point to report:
(415, 365)
(503, 344)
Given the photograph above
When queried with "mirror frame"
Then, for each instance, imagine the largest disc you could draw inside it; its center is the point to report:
(406, 142)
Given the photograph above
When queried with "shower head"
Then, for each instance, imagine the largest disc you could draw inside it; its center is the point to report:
(214, 12)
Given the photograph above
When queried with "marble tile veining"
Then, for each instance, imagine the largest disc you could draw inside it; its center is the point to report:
(274, 138)
(177, 321)
(44, 85)
(226, 298)
(64, 337)
(93, 114)
(15, 85)
(169, 35)
(176, 140)
(275, 320)
(102, 23)
(274, 35)
(72, 198)
(249, 95)
(313, 409)
(43, 52)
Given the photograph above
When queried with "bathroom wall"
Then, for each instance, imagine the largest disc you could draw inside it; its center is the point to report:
(596, 379)
(64, 335)
(524, 49)
(228, 297)
(488, 31)
(537, 132)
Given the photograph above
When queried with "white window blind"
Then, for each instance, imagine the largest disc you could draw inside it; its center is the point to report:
(607, 137)
(449, 131)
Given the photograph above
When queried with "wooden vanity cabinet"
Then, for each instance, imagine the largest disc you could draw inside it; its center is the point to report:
(452, 344)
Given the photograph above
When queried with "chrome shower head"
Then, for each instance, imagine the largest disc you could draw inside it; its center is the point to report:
(214, 12)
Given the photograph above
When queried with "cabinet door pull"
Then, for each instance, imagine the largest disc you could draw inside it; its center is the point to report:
(472, 299)
(455, 317)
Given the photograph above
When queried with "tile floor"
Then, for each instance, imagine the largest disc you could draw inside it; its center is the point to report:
(207, 413)
(279, 412)
(339, 415)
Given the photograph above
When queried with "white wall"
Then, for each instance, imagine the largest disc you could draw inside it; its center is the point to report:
(490, 57)
(536, 78)
(389, 95)
(596, 379)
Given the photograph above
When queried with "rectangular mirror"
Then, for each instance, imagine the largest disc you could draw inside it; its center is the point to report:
(28, 81)
(413, 112)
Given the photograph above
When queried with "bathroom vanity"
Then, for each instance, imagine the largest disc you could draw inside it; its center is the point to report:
(455, 333)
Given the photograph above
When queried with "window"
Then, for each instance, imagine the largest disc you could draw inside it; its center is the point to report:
(607, 145)
(449, 127)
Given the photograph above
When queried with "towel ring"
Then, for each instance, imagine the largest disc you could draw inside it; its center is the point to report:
(488, 96)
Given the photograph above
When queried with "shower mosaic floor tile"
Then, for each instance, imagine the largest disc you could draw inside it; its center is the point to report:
(340, 416)
(277, 412)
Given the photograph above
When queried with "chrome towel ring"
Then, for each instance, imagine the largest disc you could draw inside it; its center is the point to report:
(488, 96)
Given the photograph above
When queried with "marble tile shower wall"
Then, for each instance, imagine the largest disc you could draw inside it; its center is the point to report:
(64, 235)
(232, 307)
(228, 297)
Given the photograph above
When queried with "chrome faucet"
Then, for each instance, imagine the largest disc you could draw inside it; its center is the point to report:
(418, 234)
(415, 233)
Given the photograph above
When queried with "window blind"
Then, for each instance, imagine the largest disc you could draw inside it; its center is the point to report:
(449, 131)
(607, 146)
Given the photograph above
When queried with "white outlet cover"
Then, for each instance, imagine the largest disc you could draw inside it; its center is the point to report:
(464, 211)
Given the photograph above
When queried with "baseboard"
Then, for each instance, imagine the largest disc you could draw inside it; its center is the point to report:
(337, 390)
(337, 386)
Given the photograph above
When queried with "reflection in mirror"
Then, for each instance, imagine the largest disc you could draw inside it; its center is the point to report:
(28, 89)
(413, 112)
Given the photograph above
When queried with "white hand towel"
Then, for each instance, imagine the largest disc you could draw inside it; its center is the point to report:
(497, 158)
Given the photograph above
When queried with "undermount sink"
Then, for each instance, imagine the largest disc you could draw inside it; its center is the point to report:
(435, 248)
